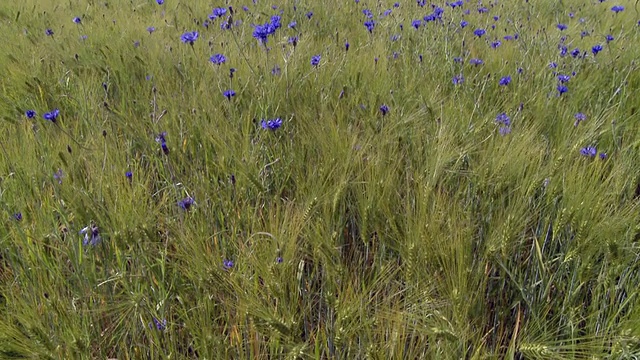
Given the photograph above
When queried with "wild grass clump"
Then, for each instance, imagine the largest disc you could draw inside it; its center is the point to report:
(336, 180)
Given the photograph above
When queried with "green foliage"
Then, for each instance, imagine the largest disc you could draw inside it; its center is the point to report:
(422, 233)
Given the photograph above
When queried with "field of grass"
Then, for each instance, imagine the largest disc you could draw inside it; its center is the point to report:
(319, 179)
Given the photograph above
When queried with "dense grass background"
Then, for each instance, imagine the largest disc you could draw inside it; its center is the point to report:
(345, 233)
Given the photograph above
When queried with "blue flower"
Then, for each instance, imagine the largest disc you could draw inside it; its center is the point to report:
(160, 325)
(218, 59)
(58, 176)
(370, 24)
(416, 23)
(579, 118)
(229, 94)
(504, 130)
(315, 60)
(464, 24)
(562, 27)
(496, 44)
(563, 78)
(346, 46)
(51, 115)
(458, 79)
(17, 216)
(596, 49)
(271, 124)
(617, 8)
(30, 114)
(91, 235)
(575, 52)
(603, 156)
(589, 151)
(292, 25)
(309, 15)
(217, 12)
(77, 20)
(151, 29)
(562, 89)
(189, 37)
(186, 203)
(476, 62)
(161, 139)
(128, 175)
(479, 32)
(227, 264)
(160, 2)
(609, 38)
(384, 109)
(505, 80)
(48, 32)
(503, 119)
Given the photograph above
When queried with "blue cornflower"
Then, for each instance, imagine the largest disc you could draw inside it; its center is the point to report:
(562, 89)
(229, 94)
(503, 119)
(271, 124)
(17, 216)
(504, 130)
(589, 151)
(161, 139)
(30, 114)
(386, 13)
(429, 18)
(508, 37)
(584, 33)
(367, 13)
(218, 12)
(315, 60)
(160, 2)
(416, 23)
(479, 32)
(457, 60)
(464, 24)
(563, 51)
(275, 22)
(128, 175)
(91, 235)
(160, 325)
(309, 15)
(575, 52)
(51, 115)
(189, 37)
(346, 46)
(562, 27)
(609, 38)
(384, 109)
(580, 117)
(617, 8)
(563, 78)
(603, 156)
(218, 59)
(227, 264)
(279, 259)
(505, 80)
(58, 176)
(77, 20)
(369, 24)
(292, 25)
(596, 49)
(151, 29)
(48, 32)
(458, 79)
(476, 62)
(421, 3)
(496, 44)
(186, 203)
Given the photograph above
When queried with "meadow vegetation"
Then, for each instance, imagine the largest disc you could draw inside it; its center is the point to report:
(331, 179)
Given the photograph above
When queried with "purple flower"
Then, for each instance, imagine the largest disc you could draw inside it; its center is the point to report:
(369, 24)
(579, 118)
(272, 125)
(160, 325)
(30, 114)
(464, 24)
(128, 175)
(504, 130)
(151, 29)
(48, 32)
(346, 46)
(603, 156)
(596, 49)
(227, 264)
(58, 176)
(77, 20)
(229, 94)
(160, 2)
(186, 203)
(189, 37)
(218, 59)
(503, 119)
(589, 151)
(575, 52)
(315, 60)
(309, 15)
(562, 89)
(496, 44)
(479, 32)
(563, 78)
(292, 25)
(561, 27)
(609, 38)
(416, 23)
(505, 80)
(91, 235)
(617, 8)
(476, 62)
(217, 12)
(51, 115)
(17, 216)
(384, 109)
(458, 79)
